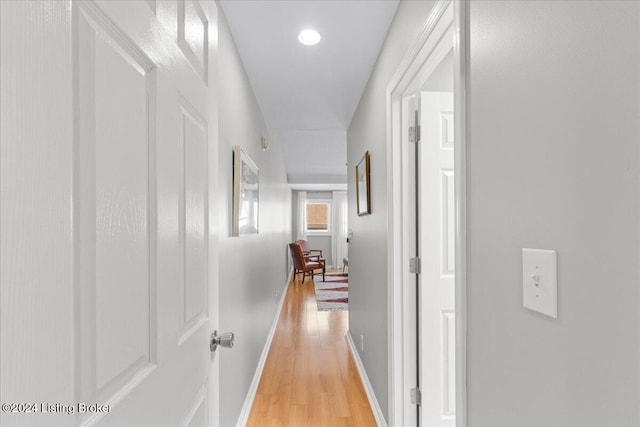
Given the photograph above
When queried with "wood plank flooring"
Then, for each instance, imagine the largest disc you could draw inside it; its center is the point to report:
(310, 378)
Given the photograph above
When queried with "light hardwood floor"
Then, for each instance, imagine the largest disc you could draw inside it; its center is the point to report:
(310, 378)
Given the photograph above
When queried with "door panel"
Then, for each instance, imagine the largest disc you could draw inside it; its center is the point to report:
(193, 220)
(173, 169)
(116, 251)
(198, 414)
(193, 36)
(437, 251)
(142, 120)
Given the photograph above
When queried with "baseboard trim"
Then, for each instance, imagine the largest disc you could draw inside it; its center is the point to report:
(373, 402)
(253, 388)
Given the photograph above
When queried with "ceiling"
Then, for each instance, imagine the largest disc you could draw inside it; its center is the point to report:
(309, 93)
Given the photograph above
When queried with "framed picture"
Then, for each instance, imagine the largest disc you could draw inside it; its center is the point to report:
(246, 186)
(363, 190)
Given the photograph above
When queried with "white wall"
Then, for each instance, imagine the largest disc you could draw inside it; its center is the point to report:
(368, 249)
(252, 268)
(322, 243)
(554, 163)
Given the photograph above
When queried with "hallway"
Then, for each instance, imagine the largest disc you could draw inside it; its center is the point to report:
(139, 137)
(310, 377)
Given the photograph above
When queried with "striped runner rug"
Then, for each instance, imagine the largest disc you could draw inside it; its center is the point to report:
(333, 292)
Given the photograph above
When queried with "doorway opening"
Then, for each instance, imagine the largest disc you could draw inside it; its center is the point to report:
(426, 110)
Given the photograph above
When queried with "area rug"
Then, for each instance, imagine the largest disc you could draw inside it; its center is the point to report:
(333, 292)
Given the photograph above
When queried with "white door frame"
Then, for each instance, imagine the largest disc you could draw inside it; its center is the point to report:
(417, 64)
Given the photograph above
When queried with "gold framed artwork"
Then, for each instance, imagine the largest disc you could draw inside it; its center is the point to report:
(246, 186)
(363, 188)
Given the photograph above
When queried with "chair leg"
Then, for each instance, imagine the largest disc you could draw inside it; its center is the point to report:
(324, 267)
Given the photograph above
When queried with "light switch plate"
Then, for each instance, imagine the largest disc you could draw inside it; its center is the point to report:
(539, 281)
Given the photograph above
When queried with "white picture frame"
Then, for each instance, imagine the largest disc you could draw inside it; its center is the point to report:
(246, 194)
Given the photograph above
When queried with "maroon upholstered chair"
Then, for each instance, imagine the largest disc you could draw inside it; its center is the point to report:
(310, 254)
(303, 265)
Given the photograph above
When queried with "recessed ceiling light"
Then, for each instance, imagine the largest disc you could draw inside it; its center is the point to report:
(309, 37)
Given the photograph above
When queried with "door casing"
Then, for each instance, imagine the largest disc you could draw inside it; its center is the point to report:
(420, 60)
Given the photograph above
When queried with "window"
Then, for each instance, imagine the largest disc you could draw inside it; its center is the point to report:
(318, 216)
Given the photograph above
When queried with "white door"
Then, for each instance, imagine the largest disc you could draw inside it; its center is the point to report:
(437, 252)
(123, 209)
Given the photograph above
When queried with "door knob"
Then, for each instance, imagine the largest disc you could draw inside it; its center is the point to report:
(224, 340)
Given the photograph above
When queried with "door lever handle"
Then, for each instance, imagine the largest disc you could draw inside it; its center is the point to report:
(224, 340)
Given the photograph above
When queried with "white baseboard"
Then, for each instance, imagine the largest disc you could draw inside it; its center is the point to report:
(373, 402)
(253, 388)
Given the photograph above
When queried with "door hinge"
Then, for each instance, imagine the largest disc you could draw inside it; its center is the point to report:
(414, 133)
(415, 265)
(416, 396)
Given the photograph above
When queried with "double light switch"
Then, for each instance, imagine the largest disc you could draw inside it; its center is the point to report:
(539, 281)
